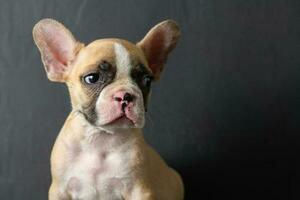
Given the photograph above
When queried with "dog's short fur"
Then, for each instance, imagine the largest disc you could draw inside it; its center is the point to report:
(100, 153)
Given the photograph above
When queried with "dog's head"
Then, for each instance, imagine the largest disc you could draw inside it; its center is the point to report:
(109, 80)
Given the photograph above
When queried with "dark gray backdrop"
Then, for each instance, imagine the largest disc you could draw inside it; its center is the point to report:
(225, 114)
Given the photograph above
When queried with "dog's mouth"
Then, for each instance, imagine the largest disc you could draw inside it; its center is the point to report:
(121, 120)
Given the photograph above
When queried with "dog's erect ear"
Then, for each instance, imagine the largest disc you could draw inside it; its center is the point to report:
(158, 43)
(58, 48)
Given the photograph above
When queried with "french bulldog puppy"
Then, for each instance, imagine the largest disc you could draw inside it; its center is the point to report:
(100, 152)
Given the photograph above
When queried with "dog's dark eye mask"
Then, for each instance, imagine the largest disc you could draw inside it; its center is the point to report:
(143, 78)
(95, 81)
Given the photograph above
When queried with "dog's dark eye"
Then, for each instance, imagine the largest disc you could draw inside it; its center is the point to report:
(147, 79)
(91, 78)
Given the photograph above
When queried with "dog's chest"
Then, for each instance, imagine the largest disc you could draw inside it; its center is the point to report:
(99, 168)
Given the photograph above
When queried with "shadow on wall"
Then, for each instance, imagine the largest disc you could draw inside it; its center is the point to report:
(247, 159)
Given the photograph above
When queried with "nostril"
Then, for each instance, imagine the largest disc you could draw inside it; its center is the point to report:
(124, 106)
(128, 97)
(118, 99)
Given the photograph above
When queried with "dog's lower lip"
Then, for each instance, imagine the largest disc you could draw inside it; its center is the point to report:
(121, 117)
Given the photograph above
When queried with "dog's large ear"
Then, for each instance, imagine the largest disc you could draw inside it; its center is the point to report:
(58, 48)
(158, 43)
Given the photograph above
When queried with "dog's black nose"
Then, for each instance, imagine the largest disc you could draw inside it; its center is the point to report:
(128, 97)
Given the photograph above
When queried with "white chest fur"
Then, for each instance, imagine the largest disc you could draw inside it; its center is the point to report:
(99, 167)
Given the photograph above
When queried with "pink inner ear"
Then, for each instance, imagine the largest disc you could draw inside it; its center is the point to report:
(57, 46)
(158, 43)
(155, 50)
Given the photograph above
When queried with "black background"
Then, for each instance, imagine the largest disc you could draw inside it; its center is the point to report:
(225, 114)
